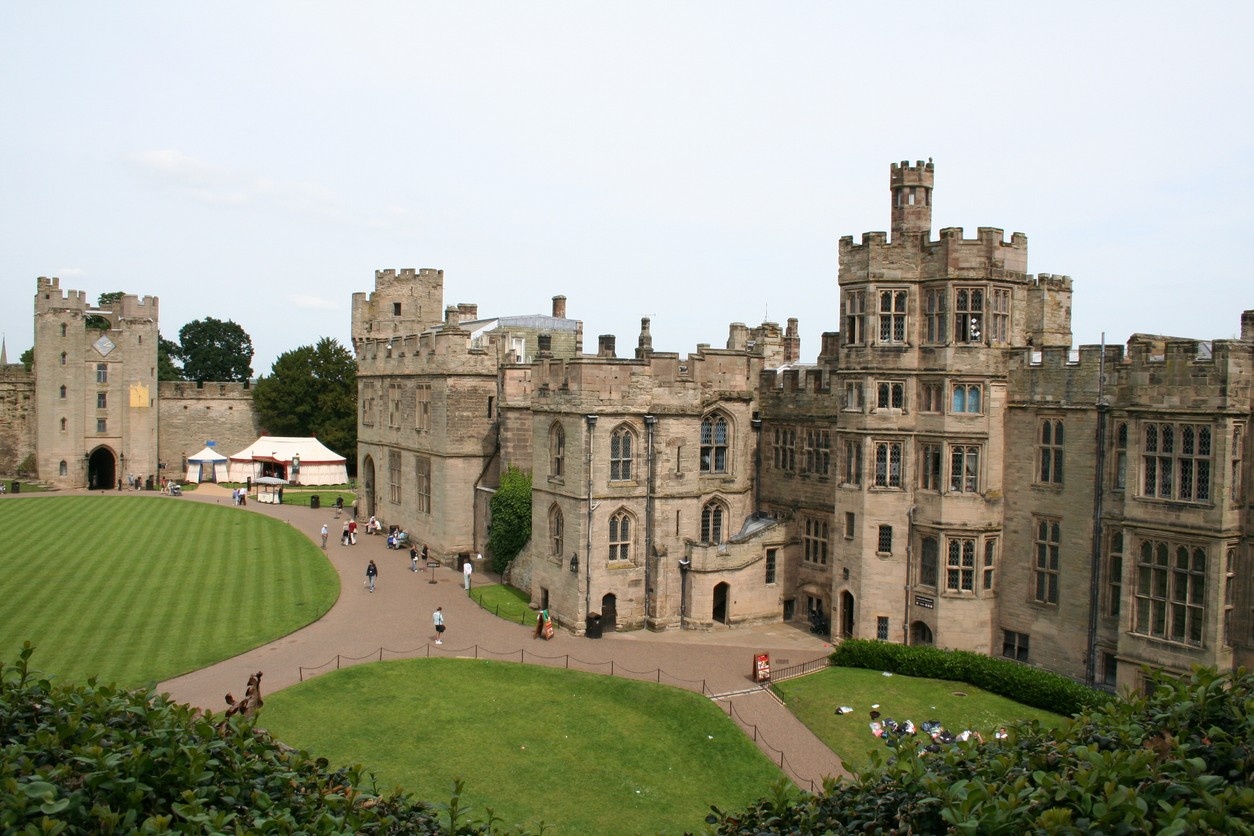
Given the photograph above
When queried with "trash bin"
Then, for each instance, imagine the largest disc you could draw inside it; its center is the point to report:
(314, 502)
(593, 629)
(17, 486)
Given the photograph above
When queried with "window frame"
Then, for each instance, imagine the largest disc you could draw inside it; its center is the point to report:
(715, 447)
(892, 307)
(886, 475)
(1047, 560)
(1051, 443)
(622, 453)
(620, 539)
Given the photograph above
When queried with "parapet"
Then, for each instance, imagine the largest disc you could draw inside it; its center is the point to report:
(48, 296)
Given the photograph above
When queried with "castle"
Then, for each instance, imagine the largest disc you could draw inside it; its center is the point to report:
(948, 472)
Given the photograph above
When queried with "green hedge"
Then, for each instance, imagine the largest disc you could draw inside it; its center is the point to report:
(1030, 686)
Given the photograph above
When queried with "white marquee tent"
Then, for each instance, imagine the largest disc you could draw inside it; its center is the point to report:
(303, 461)
(207, 466)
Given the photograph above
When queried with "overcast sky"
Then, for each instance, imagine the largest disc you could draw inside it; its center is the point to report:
(695, 163)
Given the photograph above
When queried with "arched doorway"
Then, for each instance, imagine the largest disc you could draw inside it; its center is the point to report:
(609, 612)
(102, 469)
(367, 476)
(846, 614)
(719, 610)
(920, 633)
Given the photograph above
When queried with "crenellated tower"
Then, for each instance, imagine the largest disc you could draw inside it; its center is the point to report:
(911, 189)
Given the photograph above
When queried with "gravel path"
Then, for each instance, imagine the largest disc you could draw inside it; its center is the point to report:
(395, 621)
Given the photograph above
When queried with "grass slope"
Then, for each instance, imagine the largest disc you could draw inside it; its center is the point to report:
(132, 589)
(582, 752)
(815, 698)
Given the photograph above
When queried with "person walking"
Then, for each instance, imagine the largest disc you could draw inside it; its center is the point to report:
(413, 558)
(344, 535)
(324, 536)
(372, 572)
(467, 569)
(352, 532)
(438, 618)
(339, 506)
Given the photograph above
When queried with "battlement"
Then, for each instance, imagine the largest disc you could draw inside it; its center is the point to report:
(808, 380)
(406, 275)
(920, 173)
(49, 296)
(1048, 281)
(171, 390)
(987, 256)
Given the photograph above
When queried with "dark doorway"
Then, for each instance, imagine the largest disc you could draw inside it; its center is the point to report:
(367, 475)
(846, 615)
(609, 613)
(920, 633)
(719, 611)
(102, 470)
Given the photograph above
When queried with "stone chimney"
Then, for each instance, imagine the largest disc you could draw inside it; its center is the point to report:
(605, 345)
(559, 307)
(452, 316)
(644, 345)
(1247, 325)
(467, 311)
(792, 342)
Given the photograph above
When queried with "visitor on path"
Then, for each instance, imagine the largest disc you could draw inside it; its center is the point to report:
(372, 572)
(352, 532)
(344, 535)
(467, 569)
(413, 558)
(438, 618)
(339, 506)
(354, 508)
(372, 525)
(324, 536)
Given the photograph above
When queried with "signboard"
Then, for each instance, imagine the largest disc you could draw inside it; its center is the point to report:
(762, 667)
(925, 603)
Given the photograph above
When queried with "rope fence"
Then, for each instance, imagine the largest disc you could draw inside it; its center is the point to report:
(610, 668)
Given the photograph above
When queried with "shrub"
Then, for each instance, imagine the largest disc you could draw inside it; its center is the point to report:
(1030, 686)
(1177, 762)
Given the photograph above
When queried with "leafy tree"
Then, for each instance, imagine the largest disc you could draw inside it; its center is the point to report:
(215, 350)
(168, 352)
(312, 390)
(1179, 761)
(511, 518)
(28, 358)
(104, 302)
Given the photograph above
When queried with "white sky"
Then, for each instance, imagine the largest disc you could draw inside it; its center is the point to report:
(694, 162)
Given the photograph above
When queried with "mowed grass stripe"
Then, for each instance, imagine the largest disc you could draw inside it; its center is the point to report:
(139, 588)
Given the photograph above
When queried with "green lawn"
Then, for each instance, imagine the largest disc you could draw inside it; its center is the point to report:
(815, 698)
(583, 752)
(505, 602)
(132, 589)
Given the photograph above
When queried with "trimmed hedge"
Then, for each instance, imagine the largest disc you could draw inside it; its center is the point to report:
(1030, 686)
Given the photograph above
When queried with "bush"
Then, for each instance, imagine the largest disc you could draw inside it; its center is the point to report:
(1030, 686)
(1177, 762)
(511, 518)
(95, 758)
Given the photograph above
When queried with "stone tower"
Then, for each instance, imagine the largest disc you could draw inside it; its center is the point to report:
(911, 188)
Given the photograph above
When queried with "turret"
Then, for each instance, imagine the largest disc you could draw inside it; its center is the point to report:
(911, 188)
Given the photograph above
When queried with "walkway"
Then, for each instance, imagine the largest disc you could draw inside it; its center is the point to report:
(397, 616)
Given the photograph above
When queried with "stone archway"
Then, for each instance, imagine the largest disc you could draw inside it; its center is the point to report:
(920, 633)
(609, 613)
(102, 469)
(719, 612)
(846, 615)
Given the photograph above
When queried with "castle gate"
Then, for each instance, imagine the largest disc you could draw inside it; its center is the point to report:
(719, 610)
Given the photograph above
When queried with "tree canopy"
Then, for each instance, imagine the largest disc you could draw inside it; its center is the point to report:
(511, 517)
(215, 350)
(167, 356)
(312, 391)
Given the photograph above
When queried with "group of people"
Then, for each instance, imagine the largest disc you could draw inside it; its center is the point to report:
(239, 496)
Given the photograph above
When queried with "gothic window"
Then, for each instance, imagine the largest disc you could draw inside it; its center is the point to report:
(394, 405)
(1177, 461)
(557, 450)
(814, 541)
(62, 393)
(930, 467)
(621, 443)
(63, 358)
(620, 536)
(890, 395)
(1045, 573)
(63, 423)
(394, 476)
(713, 516)
(966, 398)
(818, 452)
(853, 463)
(422, 406)
(964, 469)
(557, 532)
(714, 444)
(422, 484)
(990, 562)
(770, 566)
(853, 395)
(960, 565)
(931, 397)
(63, 468)
(855, 317)
(999, 316)
(785, 449)
(892, 310)
(1121, 455)
(1114, 574)
(969, 315)
(929, 558)
(1049, 452)
(884, 542)
(1171, 592)
(888, 464)
(937, 316)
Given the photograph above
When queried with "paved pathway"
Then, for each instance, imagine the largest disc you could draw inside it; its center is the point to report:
(397, 618)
